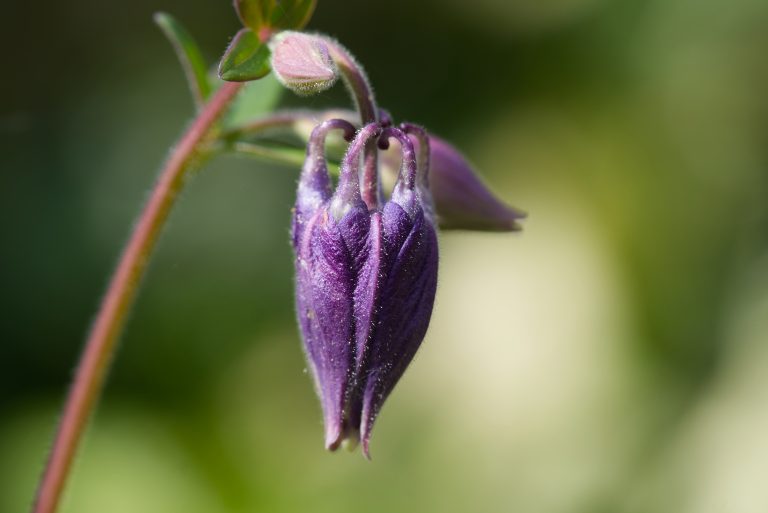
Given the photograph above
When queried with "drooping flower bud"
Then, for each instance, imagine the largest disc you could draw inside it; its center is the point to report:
(302, 63)
(365, 283)
(461, 201)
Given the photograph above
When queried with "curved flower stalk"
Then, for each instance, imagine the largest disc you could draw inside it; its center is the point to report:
(365, 281)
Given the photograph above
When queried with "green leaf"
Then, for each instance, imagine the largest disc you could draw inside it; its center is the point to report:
(254, 14)
(189, 56)
(274, 15)
(246, 58)
(256, 99)
(292, 14)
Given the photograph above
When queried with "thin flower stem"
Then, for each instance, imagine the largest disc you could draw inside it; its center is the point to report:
(285, 120)
(357, 82)
(269, 123)
(110, 320)
(285, 156)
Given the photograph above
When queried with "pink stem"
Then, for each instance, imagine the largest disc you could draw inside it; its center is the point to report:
(357, 82)
(110, 320)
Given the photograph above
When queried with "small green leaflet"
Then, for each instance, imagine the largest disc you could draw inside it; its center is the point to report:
(274, 15)
(246, 58)
(189, 56)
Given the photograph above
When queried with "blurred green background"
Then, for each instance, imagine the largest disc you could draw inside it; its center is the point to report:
(611, 358)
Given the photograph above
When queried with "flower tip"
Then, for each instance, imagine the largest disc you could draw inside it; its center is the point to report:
(366, 451)
(495, 216)
(333, 436)
(338, 437)
(365, 446)
(463, 201)
(366, 427)
(350, 443)
(332, 443)
(507, 219)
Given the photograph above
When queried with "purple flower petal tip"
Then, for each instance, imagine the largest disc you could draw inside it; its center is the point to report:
(333, 435)
(366, 450)
(462, 200)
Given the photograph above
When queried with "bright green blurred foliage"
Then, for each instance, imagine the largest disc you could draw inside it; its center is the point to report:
(611, 358)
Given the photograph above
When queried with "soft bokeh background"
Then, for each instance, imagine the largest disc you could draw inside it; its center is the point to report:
(611, 358)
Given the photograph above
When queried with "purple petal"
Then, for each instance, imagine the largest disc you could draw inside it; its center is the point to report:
(324, 288)
(405, 307)
(461, 198)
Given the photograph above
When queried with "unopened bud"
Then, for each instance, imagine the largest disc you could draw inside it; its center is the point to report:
(302, 63)
(365, 284)
(461, 200)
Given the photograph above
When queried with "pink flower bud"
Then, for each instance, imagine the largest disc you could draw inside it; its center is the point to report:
(302, 63)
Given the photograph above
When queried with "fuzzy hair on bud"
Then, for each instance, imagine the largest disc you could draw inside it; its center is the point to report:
(302, 63)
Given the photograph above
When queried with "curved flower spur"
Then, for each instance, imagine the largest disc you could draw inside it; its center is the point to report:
(365, 279)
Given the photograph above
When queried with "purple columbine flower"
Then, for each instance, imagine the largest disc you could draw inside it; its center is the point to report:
(365, 279)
